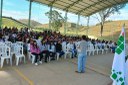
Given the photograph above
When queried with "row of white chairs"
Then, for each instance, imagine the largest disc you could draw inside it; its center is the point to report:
(5, 54)
(92, 49)
(17, 49)
(67, 53)
(7, 50)
(31, 57)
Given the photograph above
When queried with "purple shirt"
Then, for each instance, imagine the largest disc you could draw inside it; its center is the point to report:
(34, 50)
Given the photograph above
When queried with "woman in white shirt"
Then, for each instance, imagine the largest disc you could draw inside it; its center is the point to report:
(51, 49)
(71, 48)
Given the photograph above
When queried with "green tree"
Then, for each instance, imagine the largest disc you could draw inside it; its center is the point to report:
(57, 20)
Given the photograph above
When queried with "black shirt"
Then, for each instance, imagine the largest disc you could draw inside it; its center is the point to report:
(58, 47)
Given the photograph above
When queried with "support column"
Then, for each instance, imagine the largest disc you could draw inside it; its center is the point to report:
(50, 18)
(87, 25)
(1, 10)
(77, 25)
(65, 23)
(29, 20)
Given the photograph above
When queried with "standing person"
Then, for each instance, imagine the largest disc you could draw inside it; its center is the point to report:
(82, 55)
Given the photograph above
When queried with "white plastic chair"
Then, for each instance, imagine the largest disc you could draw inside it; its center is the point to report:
(19, 43)
(88, 49)
(106, 48)
(57, 56)
(91, 49)
(97, 49)
(11, 45)
(8, 43)
(67, 52)
(102, 50)
(19, 54)
(2, 44)
(31, 57)
(5, 54)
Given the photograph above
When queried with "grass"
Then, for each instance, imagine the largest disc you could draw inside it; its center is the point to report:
(6, 21)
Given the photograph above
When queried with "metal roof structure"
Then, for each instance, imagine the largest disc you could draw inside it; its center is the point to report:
(82, 7)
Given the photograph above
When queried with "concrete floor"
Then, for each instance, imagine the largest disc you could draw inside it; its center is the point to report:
(99, 63)
(60, 72)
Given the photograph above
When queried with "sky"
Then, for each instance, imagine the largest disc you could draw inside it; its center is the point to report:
(18, 9)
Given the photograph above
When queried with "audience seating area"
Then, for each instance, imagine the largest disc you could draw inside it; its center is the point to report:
(17, 46)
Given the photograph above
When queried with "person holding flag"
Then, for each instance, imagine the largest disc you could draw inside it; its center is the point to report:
(118, 68)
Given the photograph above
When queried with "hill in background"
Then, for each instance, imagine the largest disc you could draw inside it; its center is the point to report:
(111, 30)
(10, 22)
(33, 23)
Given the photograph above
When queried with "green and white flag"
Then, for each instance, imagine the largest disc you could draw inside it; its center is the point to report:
(118, 67)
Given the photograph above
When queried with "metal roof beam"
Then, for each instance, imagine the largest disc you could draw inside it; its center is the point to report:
(99, 3)
(90, 6)
(72, 4)
(52, 2)
(66, 3)
(103, 4)
(86, 11)
(115, 1)
(118, 2)
(63, 2)
(107, 7)
(64, 6)
(110, 2)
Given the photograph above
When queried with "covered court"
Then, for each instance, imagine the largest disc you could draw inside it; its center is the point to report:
(62, 72)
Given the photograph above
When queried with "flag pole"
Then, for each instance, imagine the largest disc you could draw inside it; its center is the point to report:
(125, 50)
(124, 25)
(124, 39)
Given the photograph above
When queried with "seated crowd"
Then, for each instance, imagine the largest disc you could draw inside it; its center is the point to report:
(48, 43)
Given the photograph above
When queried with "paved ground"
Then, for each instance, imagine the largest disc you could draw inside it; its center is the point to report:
(9, 77)
(100, 63)
(60, 72)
